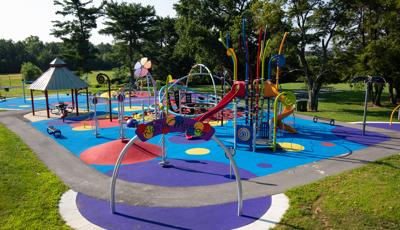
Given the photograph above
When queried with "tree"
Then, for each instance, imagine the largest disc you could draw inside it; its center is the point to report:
(30, 72)
(198, 25)
(12, 55)
(315, 24)
(373, 42)
(75, 33)
(130, 25)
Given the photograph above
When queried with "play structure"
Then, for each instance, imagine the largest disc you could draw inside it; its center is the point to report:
(178, 124)
(259, 128)
(187, 101)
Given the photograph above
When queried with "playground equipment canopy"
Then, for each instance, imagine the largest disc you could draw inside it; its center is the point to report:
(59, 77)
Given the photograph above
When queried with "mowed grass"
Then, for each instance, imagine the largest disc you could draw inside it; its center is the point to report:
(364, 198)
(29, 192)
(346, 104)
(14, 80)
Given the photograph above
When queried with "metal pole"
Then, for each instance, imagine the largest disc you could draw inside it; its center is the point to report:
(47, 103)
(366, 107)
(33, 103)
(109, 97)
(72, 98)
(23, 90)
(76, 102)
(87, 99)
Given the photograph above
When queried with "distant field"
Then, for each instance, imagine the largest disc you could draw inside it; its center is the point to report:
(14, 80)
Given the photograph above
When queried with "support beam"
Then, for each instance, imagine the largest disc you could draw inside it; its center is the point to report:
(33, 103)
(87, 99)
(73, 100)
(76, 102)
(46, 95)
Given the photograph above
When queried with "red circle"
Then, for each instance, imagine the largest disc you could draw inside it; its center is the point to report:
(328, 144)
(107, 153)
(103, 123)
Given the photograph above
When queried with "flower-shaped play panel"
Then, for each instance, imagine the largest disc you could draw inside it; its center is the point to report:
(142, 67)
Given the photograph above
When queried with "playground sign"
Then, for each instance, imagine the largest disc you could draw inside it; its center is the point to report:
(172, 124)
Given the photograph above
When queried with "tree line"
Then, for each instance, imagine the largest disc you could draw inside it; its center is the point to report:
(329, 40)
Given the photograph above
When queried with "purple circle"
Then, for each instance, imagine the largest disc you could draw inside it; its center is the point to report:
(355, 135)
(221, 216)
(59, 122)
(181, 139)
(264, 165)
(179, 172)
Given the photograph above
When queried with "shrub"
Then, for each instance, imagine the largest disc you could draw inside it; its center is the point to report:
(30, 72)
(120, 75)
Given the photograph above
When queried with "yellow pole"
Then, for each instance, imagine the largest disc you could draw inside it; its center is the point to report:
(280, 52)
(392, 114)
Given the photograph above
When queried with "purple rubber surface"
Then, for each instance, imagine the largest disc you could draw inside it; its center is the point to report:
(59, 122)
(181, 139)
(223, 216)
(264, 165)
(394, 126)
(355, 135)
(183, 173)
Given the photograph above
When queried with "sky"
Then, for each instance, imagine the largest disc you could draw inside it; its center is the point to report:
(22, 18)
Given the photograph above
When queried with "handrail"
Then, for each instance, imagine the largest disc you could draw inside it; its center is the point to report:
(392, 114)
(279, 53)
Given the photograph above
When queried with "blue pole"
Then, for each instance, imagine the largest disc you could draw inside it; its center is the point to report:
(246, 98)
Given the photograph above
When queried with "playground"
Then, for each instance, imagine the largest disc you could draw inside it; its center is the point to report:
(175, 157)
(184, 193)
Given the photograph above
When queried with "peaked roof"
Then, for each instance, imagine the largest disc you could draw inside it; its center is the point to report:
(58, 77)
(57, 62)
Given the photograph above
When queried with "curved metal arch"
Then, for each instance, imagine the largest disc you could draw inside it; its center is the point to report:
(226, 150)
(161, 94)
(153, 83)
(208, 72)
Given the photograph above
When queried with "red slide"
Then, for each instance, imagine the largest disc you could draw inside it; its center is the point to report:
(238, 90)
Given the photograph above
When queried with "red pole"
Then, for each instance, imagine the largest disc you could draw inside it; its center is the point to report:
(76, 102)
(72, 95)
(47, 103)
(33, 103)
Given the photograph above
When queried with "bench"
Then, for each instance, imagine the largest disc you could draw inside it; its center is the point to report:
(51, 130)
(330, 120)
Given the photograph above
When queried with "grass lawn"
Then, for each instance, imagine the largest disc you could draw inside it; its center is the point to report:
(29, 192)
(363, 198)
(346, 104)
(15, 80)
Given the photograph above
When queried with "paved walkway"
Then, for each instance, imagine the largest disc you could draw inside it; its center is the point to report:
(82, 178)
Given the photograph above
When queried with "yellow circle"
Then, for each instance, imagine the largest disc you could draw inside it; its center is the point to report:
(217, 123)
(133, 108)
(37, 98)
(83, 128)
(198, 151)
(291, 147)
(170, 120)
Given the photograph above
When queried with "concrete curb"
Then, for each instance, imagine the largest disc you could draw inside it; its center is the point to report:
(73, 218)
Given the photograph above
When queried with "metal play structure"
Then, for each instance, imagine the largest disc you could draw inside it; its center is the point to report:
(257, 129)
